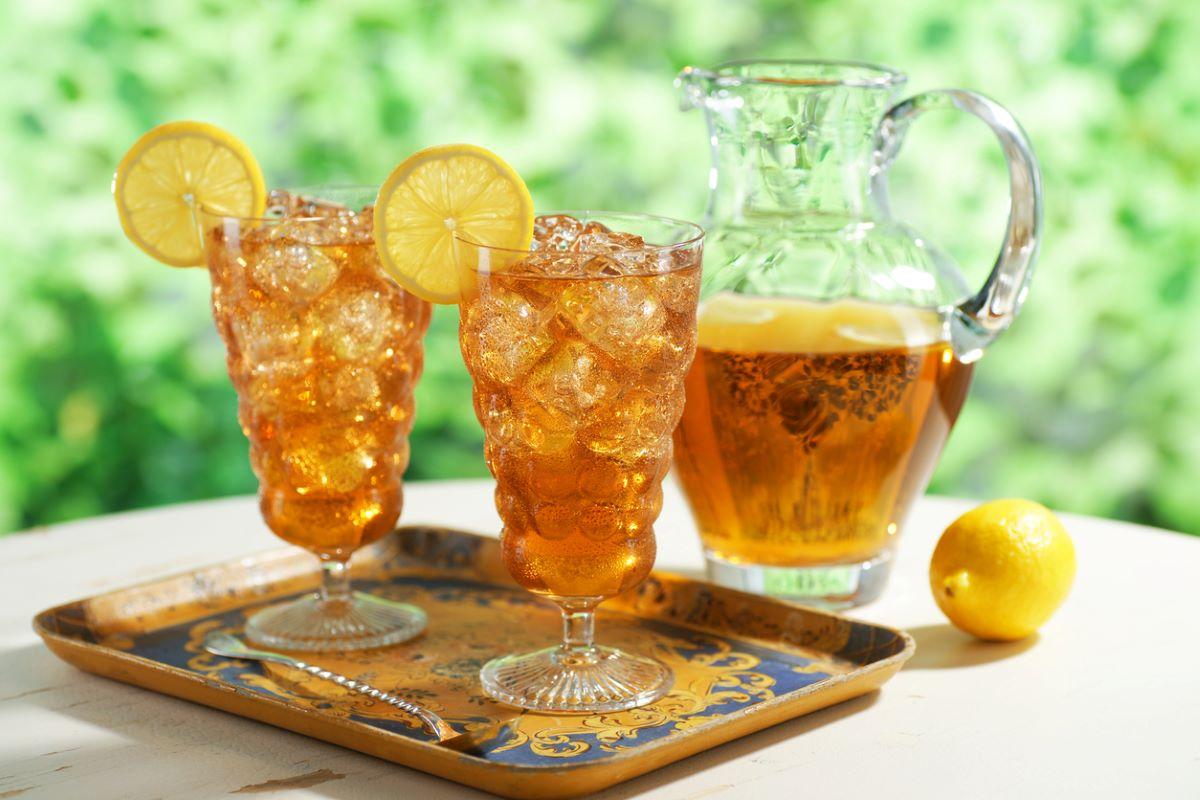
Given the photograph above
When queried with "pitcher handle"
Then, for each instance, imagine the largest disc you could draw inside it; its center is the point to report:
(985, 315)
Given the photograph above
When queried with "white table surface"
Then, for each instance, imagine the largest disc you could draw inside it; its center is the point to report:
(1105, 702)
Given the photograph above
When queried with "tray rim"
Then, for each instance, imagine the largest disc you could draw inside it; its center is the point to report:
(553, 780)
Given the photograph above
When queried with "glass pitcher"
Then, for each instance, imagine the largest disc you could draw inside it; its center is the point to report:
(836, 344)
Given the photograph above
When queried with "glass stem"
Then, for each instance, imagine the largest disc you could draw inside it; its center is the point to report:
(579, 625)
(335, 580)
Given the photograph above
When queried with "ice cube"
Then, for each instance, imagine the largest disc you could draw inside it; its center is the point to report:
(492, 409)
(619, 316)
(604, 266)
(279, 388)
(362, 226)
(307, 206)
(550, 264)
(507, 333)
(349, 387)
(572, 379)
(281, 204)
(271, 332)
(637, 428)
(541, 428)
(304, 230)
(327, 458)
(354, 321)
(227, 257)
(668, 354)
(679, 291)
(315, 222)
(555, 231)
(598, 238)
(289, 270)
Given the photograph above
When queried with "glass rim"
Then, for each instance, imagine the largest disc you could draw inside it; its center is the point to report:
(883, 77)
(698, 233)
(307, 190)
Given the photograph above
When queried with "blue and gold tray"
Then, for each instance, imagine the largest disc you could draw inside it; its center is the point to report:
(741, 662)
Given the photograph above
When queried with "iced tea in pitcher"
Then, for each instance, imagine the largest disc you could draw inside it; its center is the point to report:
(810, 428)
(836, 344)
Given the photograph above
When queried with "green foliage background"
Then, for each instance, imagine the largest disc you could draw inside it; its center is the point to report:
(112, 386)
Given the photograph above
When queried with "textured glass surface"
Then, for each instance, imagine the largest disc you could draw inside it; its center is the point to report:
(789, 210)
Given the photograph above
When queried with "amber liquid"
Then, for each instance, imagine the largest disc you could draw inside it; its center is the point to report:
(810, 429)
(578, 386)
(324, 352)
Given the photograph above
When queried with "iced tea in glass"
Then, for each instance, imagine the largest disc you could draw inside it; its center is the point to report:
(577, 350)
(324, 351)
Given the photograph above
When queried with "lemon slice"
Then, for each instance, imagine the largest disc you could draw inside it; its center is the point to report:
(437, 192)
(174, 169)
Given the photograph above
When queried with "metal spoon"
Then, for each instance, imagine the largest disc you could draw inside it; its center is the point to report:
(230, 646)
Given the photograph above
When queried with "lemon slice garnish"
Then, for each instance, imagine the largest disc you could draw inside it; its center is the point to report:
(437, 192)
(173, 170)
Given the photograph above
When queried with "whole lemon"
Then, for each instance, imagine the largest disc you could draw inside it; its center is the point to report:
(1000, 570)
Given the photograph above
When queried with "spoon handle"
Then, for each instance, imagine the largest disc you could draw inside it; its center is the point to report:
(226, 644)
(429, 720)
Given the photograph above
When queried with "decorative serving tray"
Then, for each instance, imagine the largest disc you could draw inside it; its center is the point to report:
(741, 662)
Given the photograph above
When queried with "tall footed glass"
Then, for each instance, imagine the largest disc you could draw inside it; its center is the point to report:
(577, 350)
(836, 345)
(324, 352)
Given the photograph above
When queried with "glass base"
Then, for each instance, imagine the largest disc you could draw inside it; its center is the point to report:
(830, 586)
(601, 679)
(357, 622)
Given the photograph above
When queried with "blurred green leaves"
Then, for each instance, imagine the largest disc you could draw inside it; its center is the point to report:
(112, 386)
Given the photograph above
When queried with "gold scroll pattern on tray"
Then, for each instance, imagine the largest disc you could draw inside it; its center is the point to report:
(714, 675)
